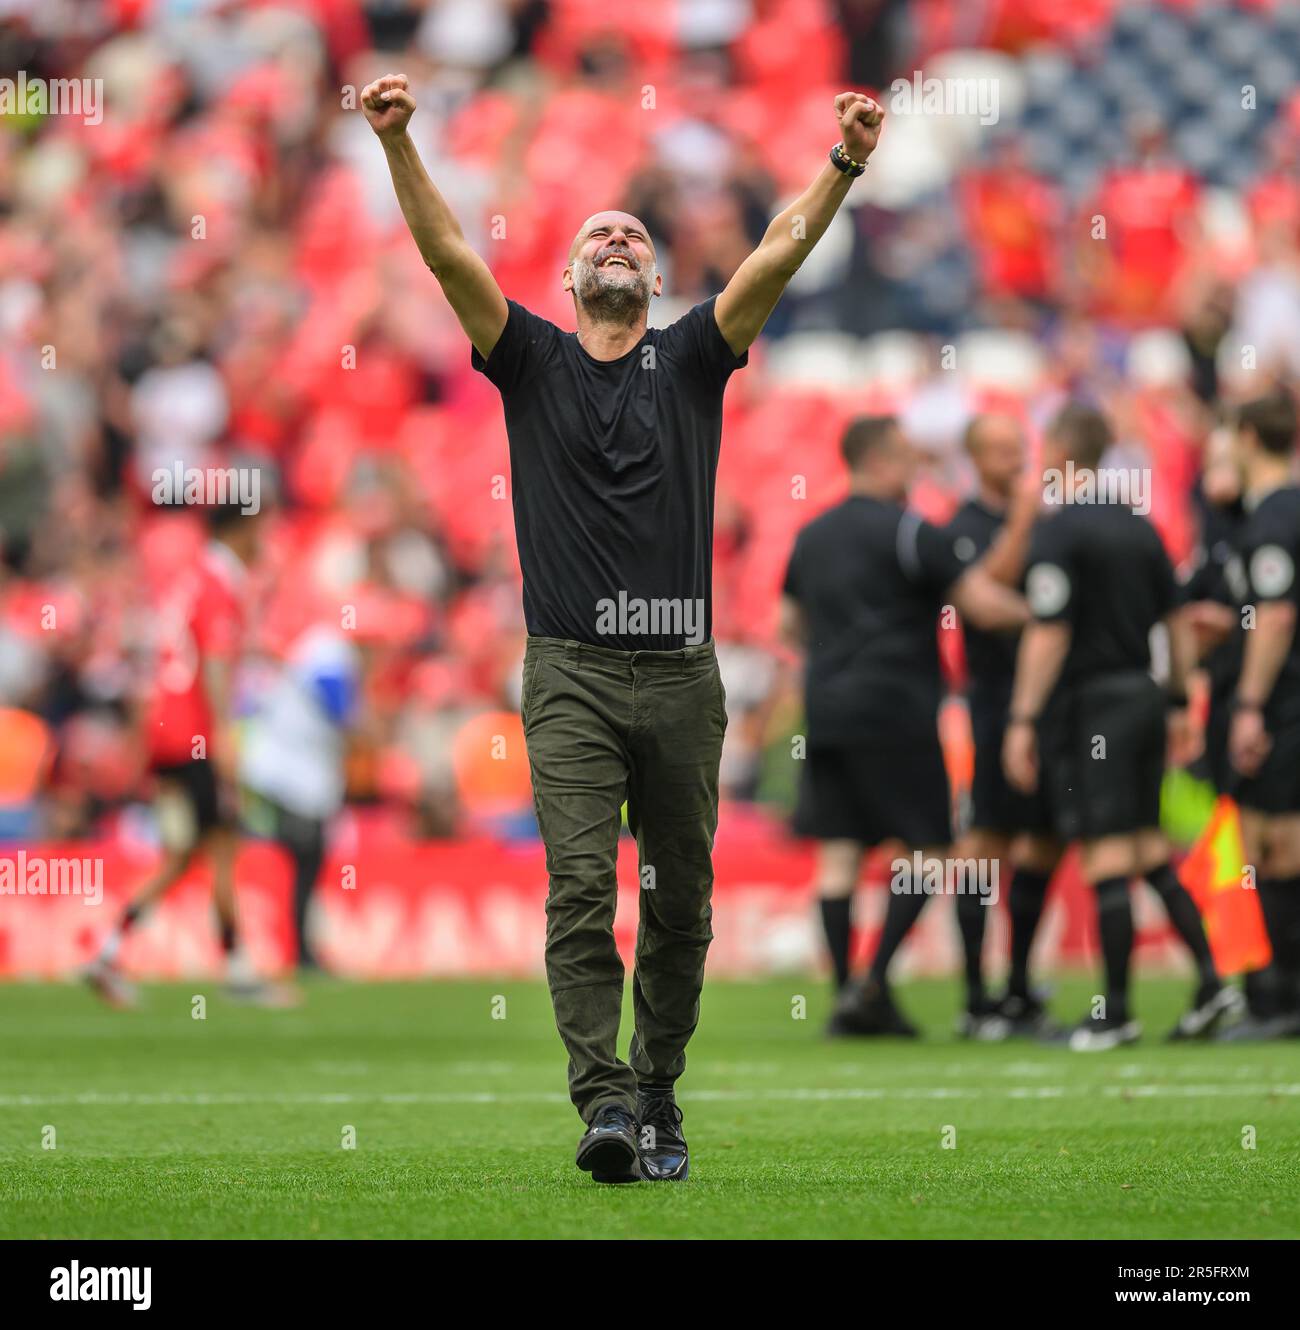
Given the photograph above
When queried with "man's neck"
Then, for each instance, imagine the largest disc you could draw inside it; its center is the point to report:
(1085, 480)
(1265, 475)
(994, 500)
(863, 487)
(608, 341)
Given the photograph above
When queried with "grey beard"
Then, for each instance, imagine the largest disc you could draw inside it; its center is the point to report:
(620, 303)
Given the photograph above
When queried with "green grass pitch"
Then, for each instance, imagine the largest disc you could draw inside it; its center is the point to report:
(233, 1126)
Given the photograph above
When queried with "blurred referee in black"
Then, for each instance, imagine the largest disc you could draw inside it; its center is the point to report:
(862, 595)
(1264, 740)
(1006, 826)
(1099, 581)
(614, 434)
(1215, 589)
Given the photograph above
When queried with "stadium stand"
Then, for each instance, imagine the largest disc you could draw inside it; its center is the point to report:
(217, 274)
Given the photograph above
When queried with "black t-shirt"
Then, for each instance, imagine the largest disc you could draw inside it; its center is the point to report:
(870, 578)
(1270, 547)
(613, 465)
(1217, 573)
(990, 656)
(1103, 570)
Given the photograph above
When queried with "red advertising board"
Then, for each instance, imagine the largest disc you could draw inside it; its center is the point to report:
(392, 909)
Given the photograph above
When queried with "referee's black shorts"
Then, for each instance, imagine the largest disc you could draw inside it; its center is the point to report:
(1275, 788)
(874, 791)
(994, 804)
(1102, 755)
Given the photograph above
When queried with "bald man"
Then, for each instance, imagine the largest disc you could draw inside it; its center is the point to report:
(1004, 826)
(614, 434)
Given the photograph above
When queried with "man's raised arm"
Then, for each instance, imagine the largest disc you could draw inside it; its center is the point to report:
(465, 278)
(749, 298)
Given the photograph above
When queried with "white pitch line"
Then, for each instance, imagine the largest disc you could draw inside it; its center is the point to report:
(236, 1099)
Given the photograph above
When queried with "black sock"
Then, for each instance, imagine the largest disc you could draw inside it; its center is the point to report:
(1279, 901)
(129, 916)
(1260, 988)
(227, 938)
(1115, 920)
(904, 910)
(1289, 888)
(970, 923)
(836, 912)
(1186, 919)
(1028, 895)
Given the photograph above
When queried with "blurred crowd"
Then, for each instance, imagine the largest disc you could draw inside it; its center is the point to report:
(215, 274)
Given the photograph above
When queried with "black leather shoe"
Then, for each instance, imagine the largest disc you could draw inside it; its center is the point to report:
(664, 1157)
(608, 1149)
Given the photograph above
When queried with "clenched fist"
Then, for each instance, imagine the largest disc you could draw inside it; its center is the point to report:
(388, 105)
(860, 120)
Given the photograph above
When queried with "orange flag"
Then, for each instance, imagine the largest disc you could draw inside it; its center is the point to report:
(1213, 873)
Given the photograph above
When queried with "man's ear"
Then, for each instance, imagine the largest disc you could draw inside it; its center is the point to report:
(567, 280)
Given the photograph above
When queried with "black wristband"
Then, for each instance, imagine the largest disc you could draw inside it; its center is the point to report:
(1240, 704)
(1175, 701)
(843, 162)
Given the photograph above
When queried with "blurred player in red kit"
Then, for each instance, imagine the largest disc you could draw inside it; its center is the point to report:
(191, 745)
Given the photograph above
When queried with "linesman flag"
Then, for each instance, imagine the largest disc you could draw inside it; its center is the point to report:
(1215, 874)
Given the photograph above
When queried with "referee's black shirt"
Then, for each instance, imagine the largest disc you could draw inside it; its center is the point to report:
(870, 578)
(1102, 569)
(1271, 551)
(990, 656)
(1217, 573)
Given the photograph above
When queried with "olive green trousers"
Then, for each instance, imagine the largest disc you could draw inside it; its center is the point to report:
(604, 726)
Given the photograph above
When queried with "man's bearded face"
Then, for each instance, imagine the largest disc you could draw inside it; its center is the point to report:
(615, 285)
